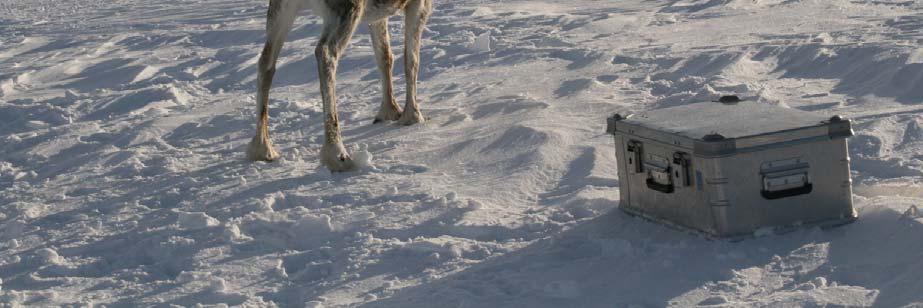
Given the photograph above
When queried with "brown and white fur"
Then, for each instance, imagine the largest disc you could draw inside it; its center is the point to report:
(340, 20)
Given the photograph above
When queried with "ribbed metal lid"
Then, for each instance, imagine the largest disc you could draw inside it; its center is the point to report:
(728, 125)
(731, 120)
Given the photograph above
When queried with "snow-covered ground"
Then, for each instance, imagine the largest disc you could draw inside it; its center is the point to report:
(123, 180)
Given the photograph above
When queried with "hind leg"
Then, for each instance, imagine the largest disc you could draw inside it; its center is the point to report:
(279, 21)
(416, 13)
(338, 29)
(381, 43)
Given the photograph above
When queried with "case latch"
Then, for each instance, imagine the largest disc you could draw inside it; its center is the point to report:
(663, 173)
(785, 178)
(681, 162)
(635, 150)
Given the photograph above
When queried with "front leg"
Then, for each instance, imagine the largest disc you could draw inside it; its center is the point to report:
(416, 13)
(338, 29)
(279, 21)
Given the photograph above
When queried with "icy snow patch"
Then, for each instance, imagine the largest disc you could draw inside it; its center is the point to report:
(311, 224)
(49, 256)
(232, 234)
(294, 228)
(314, 304)
(481, 43)
(912, 212)
(195, 220)
(362, 157)
(482, 11)
(217, 285)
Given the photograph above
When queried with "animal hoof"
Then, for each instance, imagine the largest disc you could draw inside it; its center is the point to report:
(261, 149)
(387, 114)
(411, 118)
(335, 158)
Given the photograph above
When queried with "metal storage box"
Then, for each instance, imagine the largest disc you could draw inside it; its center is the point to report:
(731, 168)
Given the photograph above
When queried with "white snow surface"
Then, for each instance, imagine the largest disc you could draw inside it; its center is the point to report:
(123, 180)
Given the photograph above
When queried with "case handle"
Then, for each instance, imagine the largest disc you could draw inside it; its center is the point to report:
(659, 176)
(785, 178)
(664, 188)
(664, 174)
(779, 194)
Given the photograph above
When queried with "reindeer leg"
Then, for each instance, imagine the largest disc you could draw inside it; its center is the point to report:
(279, 21)
(338, 29)
(381, 42)
(416, 13)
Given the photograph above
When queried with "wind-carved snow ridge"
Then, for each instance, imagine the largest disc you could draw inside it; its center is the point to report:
(123, 127)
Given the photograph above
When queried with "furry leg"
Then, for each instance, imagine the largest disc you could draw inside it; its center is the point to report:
(279, 21)
(416, 13)
(381, 42)
(338, 29)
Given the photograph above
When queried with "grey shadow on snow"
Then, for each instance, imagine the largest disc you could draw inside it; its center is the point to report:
(702, 5)
(577, 177)
(880, 252)
(149, 250)
(860, 71)
(312, 272)
(532, 276)
(114, 73)
(578, 269)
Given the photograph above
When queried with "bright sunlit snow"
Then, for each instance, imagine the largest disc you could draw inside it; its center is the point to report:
(123, 178)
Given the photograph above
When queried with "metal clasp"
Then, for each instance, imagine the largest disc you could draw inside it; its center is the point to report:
(681, 162)
(635, 150)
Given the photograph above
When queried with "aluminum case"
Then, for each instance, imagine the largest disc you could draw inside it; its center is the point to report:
(731, 168)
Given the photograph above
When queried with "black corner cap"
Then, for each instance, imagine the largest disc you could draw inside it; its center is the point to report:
(713, 137)
(729, 99)
(610, 122)
(838, 126)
